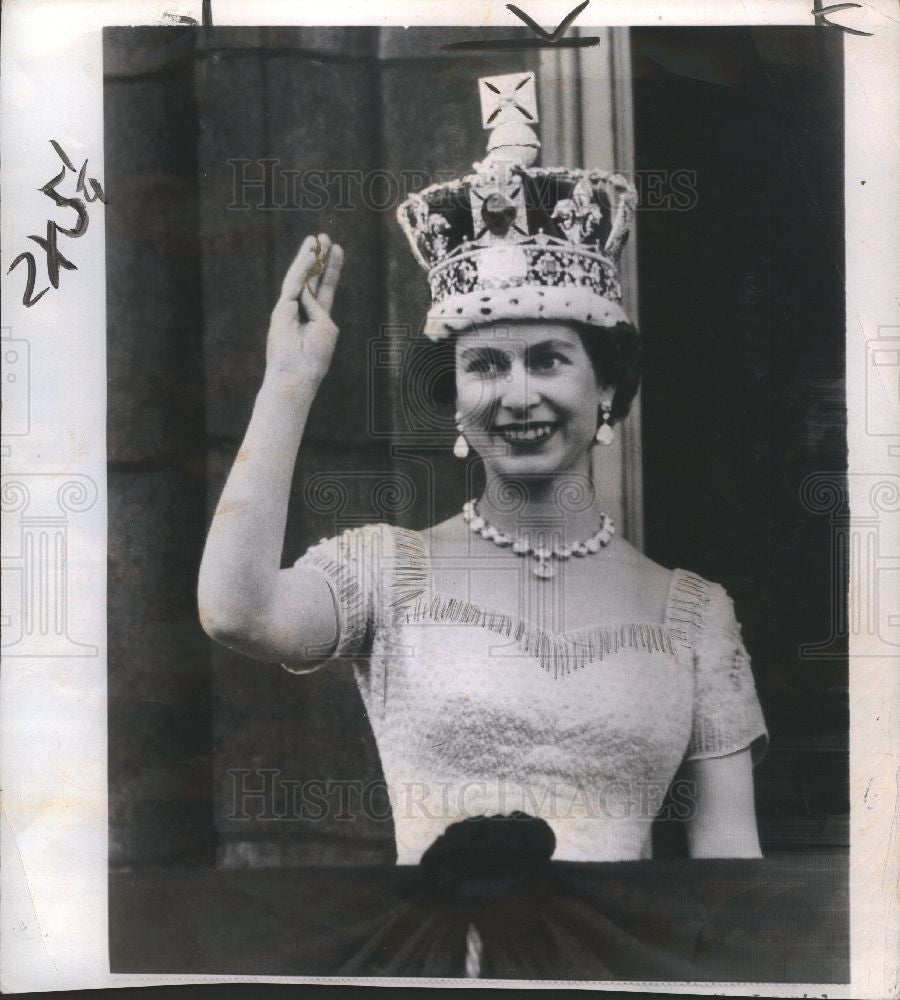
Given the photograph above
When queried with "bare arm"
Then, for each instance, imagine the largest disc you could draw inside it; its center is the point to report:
(724, 821)
(246, 601)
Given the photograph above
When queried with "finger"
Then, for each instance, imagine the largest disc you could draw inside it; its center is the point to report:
(322, 250)
(329, 280)
(297, 272)
(313, 308)
(307, 263)
(286, 312)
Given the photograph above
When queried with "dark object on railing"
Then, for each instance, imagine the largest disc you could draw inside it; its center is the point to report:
(485, 858)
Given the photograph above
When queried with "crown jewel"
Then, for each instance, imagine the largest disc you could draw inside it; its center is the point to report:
(511, 240)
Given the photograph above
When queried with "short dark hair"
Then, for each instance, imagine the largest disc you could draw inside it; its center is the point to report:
(615, 353)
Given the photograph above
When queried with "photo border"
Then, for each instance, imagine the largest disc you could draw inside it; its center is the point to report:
(53, 750)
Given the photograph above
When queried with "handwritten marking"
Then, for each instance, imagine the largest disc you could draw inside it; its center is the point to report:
(545, 39)
(820, 15)
(560, 28)
(55, 259)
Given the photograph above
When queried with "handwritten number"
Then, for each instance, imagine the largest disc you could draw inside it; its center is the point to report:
(91, 189)
(55, 259)
(49, 189)
(29, 298)
(98, 191)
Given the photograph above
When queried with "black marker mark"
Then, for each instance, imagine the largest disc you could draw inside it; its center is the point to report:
(29, 298)
(545, 39)
(560, 28)
(55, 259)
(49, 189)
(819, 13)
(206, 14)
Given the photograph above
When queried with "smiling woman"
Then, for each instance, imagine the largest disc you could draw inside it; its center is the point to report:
(533, 388)
(519, 658)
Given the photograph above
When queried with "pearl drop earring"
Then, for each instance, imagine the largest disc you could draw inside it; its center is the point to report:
(604, 433)
(461, 446)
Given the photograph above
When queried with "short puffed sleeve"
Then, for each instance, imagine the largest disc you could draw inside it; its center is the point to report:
(352, 564)
(727, 714)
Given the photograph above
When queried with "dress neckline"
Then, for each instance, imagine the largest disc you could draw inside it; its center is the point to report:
(672, 623)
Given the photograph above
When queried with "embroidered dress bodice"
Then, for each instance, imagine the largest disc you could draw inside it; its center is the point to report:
(476, 712)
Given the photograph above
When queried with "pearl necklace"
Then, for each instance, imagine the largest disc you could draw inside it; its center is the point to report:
(544, 566)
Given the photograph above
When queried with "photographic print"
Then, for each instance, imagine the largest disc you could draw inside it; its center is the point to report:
(486, 552)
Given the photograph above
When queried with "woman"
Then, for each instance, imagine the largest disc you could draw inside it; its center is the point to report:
(466, 724)
(519, 660)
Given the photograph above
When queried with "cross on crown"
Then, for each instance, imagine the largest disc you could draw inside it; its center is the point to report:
(508, 98)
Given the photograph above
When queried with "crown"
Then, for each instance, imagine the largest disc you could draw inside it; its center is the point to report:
(515, 241)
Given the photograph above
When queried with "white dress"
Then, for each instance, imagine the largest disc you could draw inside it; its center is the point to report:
(476, 712)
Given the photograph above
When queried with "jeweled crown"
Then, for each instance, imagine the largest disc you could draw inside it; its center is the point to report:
(513, 241)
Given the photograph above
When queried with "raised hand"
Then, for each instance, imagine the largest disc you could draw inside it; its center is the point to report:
(302, 335)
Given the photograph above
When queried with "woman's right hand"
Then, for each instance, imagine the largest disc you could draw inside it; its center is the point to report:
(302, 335)
(246, 600)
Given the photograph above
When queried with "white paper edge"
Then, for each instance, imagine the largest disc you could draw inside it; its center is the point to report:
(53, 837)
